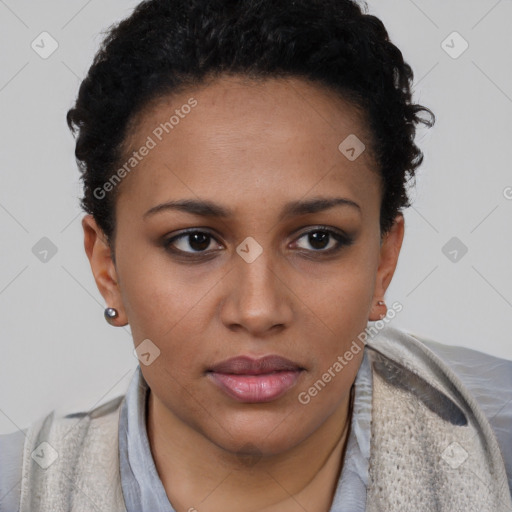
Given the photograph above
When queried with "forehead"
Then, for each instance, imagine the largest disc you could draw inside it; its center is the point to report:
(235, 135)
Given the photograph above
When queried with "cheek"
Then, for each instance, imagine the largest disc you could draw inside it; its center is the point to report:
(343, 317)
(342, 299)
(340, 309)
(158, 295)
(170, 305)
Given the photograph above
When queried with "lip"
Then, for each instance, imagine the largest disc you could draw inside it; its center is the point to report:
(250, 380)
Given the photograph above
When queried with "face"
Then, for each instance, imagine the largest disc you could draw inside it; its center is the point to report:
(276, 252)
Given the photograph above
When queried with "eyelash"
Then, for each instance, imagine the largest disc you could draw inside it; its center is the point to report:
(342, 240)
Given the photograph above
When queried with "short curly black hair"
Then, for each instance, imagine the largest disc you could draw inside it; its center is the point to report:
(166, 46)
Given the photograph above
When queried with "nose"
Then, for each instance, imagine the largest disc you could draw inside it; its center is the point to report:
(258, 299)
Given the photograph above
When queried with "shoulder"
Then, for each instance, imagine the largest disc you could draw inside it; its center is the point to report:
(16, 448)
(489, 380)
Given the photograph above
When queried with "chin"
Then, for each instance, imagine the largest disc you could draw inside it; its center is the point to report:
(256, 436)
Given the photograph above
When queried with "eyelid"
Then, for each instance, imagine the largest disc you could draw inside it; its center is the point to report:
(323, 227)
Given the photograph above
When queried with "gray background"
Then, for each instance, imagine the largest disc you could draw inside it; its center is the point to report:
(58, 352)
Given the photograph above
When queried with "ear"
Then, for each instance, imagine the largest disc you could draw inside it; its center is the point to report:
(389, 252)
(103, 267)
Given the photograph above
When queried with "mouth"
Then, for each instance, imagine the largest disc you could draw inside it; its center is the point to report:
(255, 380)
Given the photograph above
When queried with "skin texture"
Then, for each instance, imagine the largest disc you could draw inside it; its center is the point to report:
(251, 147)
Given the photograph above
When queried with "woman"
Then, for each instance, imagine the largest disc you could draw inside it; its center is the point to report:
(245, 165)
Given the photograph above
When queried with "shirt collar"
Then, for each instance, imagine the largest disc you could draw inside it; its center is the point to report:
(142, 488)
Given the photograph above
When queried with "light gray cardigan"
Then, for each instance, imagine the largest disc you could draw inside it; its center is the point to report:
(432, 449)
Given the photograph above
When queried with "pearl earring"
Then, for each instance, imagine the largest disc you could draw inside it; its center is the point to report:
(110, 315)
(382, 303)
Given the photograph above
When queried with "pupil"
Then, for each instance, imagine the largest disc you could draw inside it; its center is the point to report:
(318, 236)
(199, 241)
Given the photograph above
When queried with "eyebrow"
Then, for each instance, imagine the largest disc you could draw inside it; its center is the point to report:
(205, 208)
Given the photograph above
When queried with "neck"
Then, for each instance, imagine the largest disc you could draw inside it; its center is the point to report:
(198, 474)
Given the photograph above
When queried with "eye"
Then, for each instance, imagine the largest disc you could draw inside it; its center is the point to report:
(324, 240)
(199, 241)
